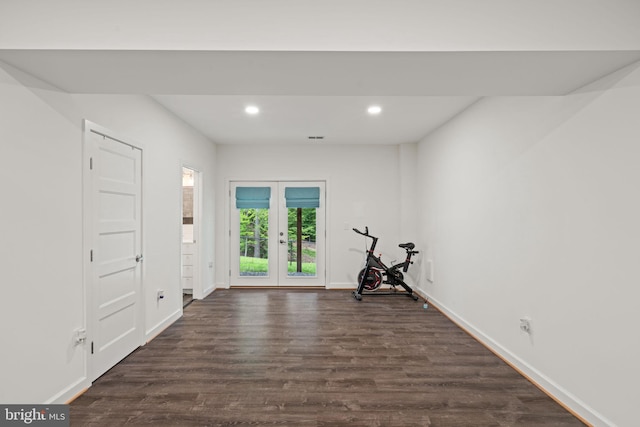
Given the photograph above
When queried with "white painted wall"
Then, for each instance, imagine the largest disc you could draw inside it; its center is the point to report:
(362, 189)
(41, 295)
(408, 190)
(40, 251)
(329, 25)
(529, 207)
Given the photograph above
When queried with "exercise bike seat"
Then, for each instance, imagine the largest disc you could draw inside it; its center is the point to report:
(408, 246)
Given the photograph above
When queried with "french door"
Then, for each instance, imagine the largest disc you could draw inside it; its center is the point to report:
(277, 233)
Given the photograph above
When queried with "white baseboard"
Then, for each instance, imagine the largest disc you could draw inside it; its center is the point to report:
(208, 291)
(70, 393)
(555, 391)
(351, 286)
(346, 286)
(164, 324)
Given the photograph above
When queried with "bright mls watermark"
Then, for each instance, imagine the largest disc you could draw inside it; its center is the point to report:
(34, 415)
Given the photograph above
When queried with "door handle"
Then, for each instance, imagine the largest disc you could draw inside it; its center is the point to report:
(139, 258)
(284, 242)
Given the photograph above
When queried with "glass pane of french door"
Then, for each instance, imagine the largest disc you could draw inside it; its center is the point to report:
(301, 251)
(302, 221)
(254, 242)
(253, 214)
(272, 244)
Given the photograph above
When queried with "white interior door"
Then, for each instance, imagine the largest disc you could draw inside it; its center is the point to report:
(277, 233)
(115, 238)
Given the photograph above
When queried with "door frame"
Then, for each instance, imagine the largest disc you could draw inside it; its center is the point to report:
(85, 334)
(198, 289)
(228, 217)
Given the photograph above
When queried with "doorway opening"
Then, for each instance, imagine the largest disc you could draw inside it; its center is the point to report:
(190, 230)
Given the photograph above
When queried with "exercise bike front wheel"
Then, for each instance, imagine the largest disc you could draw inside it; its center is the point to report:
(373, 279)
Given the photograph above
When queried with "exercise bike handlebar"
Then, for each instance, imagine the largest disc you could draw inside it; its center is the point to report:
(366, 234)
(366, 231)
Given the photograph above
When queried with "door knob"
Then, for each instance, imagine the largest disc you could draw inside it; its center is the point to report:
(138, 258)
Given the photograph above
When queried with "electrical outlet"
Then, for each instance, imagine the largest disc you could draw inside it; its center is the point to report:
(525, 325)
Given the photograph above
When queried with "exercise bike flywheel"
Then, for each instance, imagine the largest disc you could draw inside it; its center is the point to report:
(373, 279)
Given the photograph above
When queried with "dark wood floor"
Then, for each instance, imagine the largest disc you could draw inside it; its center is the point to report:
(314, 358)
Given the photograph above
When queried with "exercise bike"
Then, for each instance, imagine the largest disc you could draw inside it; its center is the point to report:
(375, 272)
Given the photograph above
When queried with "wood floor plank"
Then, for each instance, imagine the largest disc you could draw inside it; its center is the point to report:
(313, 358)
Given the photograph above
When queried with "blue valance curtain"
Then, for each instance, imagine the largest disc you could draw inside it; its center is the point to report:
(302, 197)
(253, 197)
(296, 197)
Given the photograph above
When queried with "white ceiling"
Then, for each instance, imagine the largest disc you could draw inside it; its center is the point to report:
(304, 94)
(292, 119)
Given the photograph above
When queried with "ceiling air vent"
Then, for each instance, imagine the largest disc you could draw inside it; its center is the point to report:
(316, 137)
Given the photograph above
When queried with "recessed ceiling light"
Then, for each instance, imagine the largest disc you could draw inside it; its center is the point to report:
(252, 109)
(374, 109)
